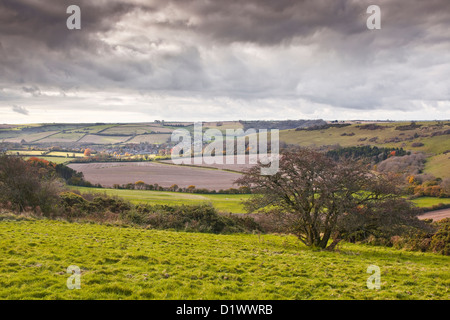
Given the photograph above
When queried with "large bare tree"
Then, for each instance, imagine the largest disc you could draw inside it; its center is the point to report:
(318, 199)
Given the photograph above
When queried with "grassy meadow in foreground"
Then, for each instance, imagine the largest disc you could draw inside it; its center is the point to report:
(131, 263)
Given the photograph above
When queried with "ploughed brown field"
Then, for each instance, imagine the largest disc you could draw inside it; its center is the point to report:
(436, 215)
(231, 165)
(108, 174)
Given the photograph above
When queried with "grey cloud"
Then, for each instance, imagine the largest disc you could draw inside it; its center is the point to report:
(20, 109)
(45, 22)
(253, 50)
(33, 90)
(268, 22)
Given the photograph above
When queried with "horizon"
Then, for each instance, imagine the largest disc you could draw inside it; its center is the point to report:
(249, 120)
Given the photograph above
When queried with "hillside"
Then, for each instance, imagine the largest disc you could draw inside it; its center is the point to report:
(430, 137)
(144, 141)
(131, 263)
(123, 133)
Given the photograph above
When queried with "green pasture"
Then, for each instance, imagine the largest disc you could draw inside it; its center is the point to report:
(119, 262)
(222, 202)
(439, 165)
(56, 160)
(428, 202)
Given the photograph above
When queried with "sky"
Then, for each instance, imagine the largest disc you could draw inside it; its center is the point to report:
(216, 60)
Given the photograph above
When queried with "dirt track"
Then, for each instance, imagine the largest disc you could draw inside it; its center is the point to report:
(436, 215)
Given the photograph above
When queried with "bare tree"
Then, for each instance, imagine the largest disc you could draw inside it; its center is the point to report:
(317, 198)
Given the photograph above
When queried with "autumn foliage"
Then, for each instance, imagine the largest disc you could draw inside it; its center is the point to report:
(87, 152)
(28, 185)
(318, 199)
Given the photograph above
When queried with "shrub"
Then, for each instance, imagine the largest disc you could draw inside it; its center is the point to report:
(72, 199)
(371, 126)
(28, 184)
(192, 218)
(373, 154)
(411, 126)
(407, 164)
(417, 144)
(98, 206)
(437, 241)
(440, 242)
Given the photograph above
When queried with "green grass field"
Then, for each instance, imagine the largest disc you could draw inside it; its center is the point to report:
(132, 263)
(63, 137)
(151, 138)
(64, 154)
(56, 160)
(434, 146)
(26, 152)
(331, 136)
(128, 130)
(222, 202)
(439, 165)
(428, 202)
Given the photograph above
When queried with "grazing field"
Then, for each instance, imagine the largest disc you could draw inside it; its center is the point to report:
(56, 160)
(439, 165)
(132, 263)
(151, 138)
(222, 202)
(96, 128)
(428, 202)
(65, 137)
(430, 137)
(233, 125)
(234, 165)
(26, 152)
(31, 137)
(127, 130)
(160, 129)
(108, 174)
(96, 139)
(385, 135)
(64, 154)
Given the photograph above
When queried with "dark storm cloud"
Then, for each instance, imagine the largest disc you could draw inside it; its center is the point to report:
(45, 21)
(35, 41)
(316, 50)
(268, 22)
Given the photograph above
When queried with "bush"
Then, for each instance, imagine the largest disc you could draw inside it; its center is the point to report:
(437, 241)
(407, 164)
(411, 126)
(373, 154)
(440, 241)
(29, 185)
(192, 218)
(93, 203)
(371, 126)
(417, 144)
(71, 199)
